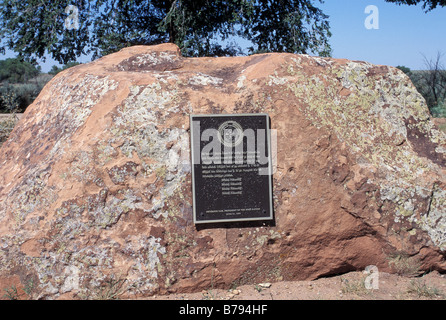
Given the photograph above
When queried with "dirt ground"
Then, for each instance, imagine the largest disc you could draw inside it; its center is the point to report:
(351, 286)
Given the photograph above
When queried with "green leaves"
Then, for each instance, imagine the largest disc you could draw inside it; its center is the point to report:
(14, 70)
(36, 28)
(428, 5)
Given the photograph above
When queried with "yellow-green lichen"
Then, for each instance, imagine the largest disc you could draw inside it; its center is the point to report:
(371, 117)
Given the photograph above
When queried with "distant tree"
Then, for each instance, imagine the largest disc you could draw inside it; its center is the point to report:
(406, 70)
(435, 79)
(428, 5)
(35, 28)
(431, 83)
(55, 69)
(15, 70)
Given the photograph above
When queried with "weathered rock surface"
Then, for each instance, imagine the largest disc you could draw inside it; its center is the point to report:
(95, 188)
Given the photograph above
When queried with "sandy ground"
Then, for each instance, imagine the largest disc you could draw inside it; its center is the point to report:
(349, 286)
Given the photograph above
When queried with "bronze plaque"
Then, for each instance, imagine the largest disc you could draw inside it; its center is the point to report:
(231, 167)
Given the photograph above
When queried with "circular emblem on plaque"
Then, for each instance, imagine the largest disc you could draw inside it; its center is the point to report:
(230, 133)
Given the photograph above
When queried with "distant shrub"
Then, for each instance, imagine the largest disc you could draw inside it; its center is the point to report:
(439, 111)
(17, 97)
(405, 69)
(420, 79)
(15, 70)
(55, 69)
(9, 102)
(20, 84)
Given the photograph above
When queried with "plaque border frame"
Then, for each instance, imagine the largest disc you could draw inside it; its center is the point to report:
(270, 175)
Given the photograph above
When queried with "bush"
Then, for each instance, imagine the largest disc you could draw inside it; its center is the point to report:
(17, 97)
(405, 69)
(8, 100)
(14, 70)
(20, 83)
(420, 79)
(439, 111)
(55, 69)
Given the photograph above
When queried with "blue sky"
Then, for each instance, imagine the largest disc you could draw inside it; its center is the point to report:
(405, 33)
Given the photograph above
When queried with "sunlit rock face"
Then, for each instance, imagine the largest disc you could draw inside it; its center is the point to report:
(95, 182)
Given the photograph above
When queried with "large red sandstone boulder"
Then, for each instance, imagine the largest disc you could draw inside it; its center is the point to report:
(95, 188)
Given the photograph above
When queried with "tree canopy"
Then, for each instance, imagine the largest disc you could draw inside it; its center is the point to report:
(36, 28)
(428, 5)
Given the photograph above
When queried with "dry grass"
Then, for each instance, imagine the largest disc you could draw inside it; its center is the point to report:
(404, 265)
(112, 289)
(354, 286)
(419, 288)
